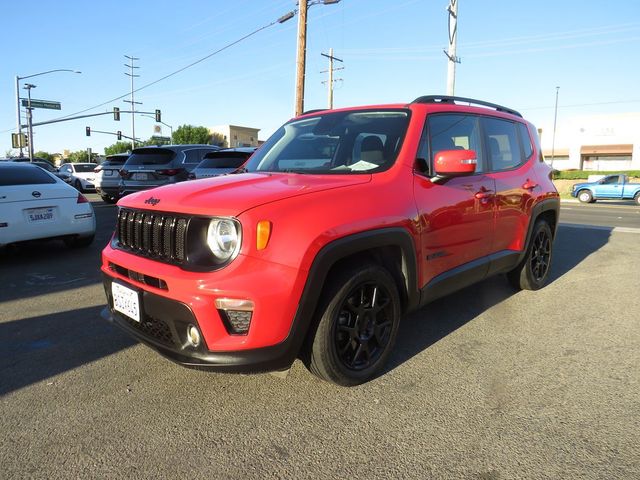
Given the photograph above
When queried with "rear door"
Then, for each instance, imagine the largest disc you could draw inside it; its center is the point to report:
(457, 215)
(510, 161)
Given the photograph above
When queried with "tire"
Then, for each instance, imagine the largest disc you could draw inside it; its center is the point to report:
(109, 199)
(358, 323)
(637, 198)
(79, 242)
(78, 185)
(585, 196)
(532, 272)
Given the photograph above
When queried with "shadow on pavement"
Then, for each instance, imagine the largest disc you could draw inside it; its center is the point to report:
(421, 329)
(37, 348)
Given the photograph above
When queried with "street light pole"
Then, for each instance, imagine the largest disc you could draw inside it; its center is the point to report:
(18, 78)
(555, 118)
(28, 87)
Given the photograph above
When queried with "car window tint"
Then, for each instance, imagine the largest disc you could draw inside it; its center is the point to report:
(223, 161)
(84, 168)
(527, 148)
(455, 132)
(611, 180)
(193, 156)
(21, 175)
(502, 144)
(151, 157)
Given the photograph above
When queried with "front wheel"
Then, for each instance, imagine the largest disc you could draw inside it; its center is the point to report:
(585, 196)
(532, 272)
(359, 318)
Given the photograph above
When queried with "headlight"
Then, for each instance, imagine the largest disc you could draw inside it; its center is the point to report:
(223, 238)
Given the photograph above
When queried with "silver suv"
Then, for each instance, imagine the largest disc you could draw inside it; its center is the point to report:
(150, 167)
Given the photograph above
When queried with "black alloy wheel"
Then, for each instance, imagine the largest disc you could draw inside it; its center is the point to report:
(540, 258)
(362, 329)
(359, 317)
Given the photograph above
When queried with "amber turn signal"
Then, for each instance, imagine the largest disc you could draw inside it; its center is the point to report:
(263, 233)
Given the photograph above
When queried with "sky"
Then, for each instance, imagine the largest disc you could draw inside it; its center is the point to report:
(513, 53)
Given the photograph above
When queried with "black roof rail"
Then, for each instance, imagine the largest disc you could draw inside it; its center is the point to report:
(450, 99)
(315, 110)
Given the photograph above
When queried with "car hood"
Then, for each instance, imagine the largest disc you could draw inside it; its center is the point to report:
(230, 195)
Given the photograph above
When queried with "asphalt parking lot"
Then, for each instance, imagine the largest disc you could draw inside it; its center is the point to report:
(484, 384)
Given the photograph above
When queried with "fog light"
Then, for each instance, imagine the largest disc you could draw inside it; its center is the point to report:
(236, 314)
(193, 336)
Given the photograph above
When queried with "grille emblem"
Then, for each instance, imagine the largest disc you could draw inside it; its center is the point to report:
(152, 201)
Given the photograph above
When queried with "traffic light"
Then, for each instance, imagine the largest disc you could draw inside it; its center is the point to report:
(158, 119)
(116, 114)
(119, 135)
(87, 131)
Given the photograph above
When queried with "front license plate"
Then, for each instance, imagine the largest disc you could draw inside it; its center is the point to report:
(39, 215)
(126, 300)
(139, 176)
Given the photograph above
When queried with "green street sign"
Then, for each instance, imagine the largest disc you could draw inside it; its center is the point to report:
(42, 104)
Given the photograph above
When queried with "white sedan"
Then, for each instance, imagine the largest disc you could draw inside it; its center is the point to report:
(83, 175)
(35, 204)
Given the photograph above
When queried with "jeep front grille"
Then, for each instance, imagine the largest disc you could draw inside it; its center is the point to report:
(154, 235)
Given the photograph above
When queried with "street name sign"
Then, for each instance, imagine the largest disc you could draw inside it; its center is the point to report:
(42, 104)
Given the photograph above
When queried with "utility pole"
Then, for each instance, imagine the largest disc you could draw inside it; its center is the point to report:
(451, 53)
(301, 56)
(28, 87)
(331, 70)
(132, 102)
(555, 118)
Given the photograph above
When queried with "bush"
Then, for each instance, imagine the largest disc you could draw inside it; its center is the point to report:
(583, 175)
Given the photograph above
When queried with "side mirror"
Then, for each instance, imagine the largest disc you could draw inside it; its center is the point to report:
(455, 163)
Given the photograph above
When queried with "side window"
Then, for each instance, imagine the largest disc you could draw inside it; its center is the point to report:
(502, 144)
(454, 132)
(612, 180)
(193, 156)
(65, 169)
(527, 148)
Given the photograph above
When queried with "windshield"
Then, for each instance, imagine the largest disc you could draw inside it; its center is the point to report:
(334, 142)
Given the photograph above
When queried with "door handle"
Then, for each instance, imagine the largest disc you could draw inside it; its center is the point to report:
(529, 185)
(483, 194)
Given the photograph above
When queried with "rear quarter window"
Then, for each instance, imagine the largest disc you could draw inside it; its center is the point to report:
(15, 175)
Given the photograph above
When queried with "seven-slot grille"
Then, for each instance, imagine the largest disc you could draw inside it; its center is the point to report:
(155, 235)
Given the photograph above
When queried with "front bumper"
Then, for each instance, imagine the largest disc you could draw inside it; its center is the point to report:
(179, 299)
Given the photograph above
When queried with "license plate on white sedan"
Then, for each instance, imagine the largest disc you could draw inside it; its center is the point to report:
(40, 215)
(139, 176)
(126, 300)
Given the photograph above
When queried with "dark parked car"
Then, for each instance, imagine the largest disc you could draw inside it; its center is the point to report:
(150, 167)
(42, 163)
(223, 161)
(107, 178)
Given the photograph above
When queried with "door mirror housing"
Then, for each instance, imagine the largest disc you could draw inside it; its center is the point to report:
(455, 163)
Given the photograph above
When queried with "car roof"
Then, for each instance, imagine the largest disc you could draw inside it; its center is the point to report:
(174, 148)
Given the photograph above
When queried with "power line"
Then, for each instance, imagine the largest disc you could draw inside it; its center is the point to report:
(229, 45)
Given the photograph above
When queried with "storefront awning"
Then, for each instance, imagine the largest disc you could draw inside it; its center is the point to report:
(606, 149)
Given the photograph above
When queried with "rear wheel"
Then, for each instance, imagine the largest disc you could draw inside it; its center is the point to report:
(78, 185)
(585, 196)
(532, 272)
(359, 318)
(637, 198)
(109, 199)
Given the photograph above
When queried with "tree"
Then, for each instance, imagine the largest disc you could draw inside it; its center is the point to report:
(218, 139)
(46, 155)
(79, 156)
(186, 134)
(118, 147)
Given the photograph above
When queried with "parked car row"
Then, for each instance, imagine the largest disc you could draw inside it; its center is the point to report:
(150, 167)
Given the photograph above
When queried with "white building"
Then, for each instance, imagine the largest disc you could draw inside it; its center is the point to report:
(608, 142)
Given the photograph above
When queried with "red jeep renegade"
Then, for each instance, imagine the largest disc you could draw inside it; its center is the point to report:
(343, 221)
